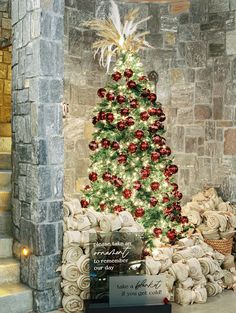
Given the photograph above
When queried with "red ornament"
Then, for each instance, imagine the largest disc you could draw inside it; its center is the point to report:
(168, 211)
(145, 173)
(110, 96)
(122, 158)
(121, 125)
(176, 207)
(178, 195)
(139, 212)
(157, 232)
(102, 206)
(144, 145)
(167, 173)
(168, 151)
(116, 76)
(87, 187)
(153, 128)
(101, 92)
(118, 182)
(162, 118)
(137, 185)
(165, 199)
(141, 78)
(117, 208)
(145, 253)
(134, 104)
(124, 112)
(94, 120)
(131, 84)
(128, 73)
(120, 99)
(155, 185)
(171, 235)
(173, 168)
(127, 193)
(152, 97)
(93, 145)
(153, 201)
(139, 134)
(110, 117)
(107, 176)
(93, 176)
(105, 143)
(84, 203)
(155, 156)
(145, 92)
(175, 186)
(132, 148)
(129, 121)
(144, 116)
(115, 145)
(183, 220)
(101, 115)
(152, 111)
(157, 139)
(159, 112)
(166, 300)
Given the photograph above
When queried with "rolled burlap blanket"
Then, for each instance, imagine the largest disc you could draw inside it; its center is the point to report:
(215, 220)
(213, 289)
(200, 282)
(152, 265)
(228, 262)
(127, 219)
(200, 294)
(85, 294)
(186, 284)
(197, 251)
(210, 192)
(88, 236)
(70, 272)
(219, 257)
(69, 288)
(228, 279)
(211, 234)
(110, 222)
(228, 234)
(93, 216)
(170, 280)
(157, 252)
(83, 282)
(71, 237)
(180, 271)
(71, 223)
(194, 217)
(224, 206)
(73, 206)
(72, 304)
(199, 197)
(184, 254)
(184, 296)
(218, 274)
(195, 270)
(83, 222)
(207, 265)
(83, 264)
(72, 253)
(186, 242)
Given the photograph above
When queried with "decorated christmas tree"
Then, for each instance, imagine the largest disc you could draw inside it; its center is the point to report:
(131, 165)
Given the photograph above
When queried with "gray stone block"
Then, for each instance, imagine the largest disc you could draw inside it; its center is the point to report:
(14, 11)
(26, 28)
(57, 182)
(22, 9)
(48, 300)
(44, 182)
(46, 55)
(189, 32)
(40, 152)
(233, 4)
(56, 90)
(46, 24)
(4, 5)
(196, 54)
(198, 11)
(57, 28)
(218, 5)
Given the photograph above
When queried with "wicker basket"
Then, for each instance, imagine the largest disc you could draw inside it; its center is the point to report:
(223, 246)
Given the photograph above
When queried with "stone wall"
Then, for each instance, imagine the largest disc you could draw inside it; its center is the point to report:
(5, 63)
(195, 56)
(37, 156)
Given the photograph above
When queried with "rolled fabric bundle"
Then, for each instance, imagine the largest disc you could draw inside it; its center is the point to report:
(72, 304)
(197, 251)
(93, 216)
(83, 282)
(140, 228)
(206, 248)
(72, 253)
(195, 270)
(66, 210)
(186, 242)
(215, 220)
(82, 222)
(157, 252)
(130, 229)
(72, 237)
(186, 284)
(194, 206)
(180, 270)
(208, 266)
(210, 278)
(199, 197)
(110, 222)
(228, 278)
(218, 274)
(200, 282)
(227, 234)
(152, 265)
(219, 257)
(85, 294)
(127, 219)
(83, 264)
(209, 205)
(74, 206)
(184, 296)
(201, 294)
(170, 280)
(211, 234)
(224, 206)
(213, 289)
(182, 255)
(228, 262)
(194, 217)
(210, 192)
(71, 223)
(69, 288)
(88, 236)
(217, 200)
(232, 221)
(165, 263)
(70, 272)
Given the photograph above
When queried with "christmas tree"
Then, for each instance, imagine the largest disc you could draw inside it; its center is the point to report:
(131, 164)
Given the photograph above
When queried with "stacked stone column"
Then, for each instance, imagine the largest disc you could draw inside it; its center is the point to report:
(38, 144)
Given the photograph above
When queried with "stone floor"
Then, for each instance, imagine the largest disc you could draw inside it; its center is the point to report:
(225, 303)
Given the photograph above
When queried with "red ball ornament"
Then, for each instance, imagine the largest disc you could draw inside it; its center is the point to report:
(84, 203)
(128, 73)
(93, 176)
(143, 78)
(101, 92)
(155, 156)
(110, 96)
(87, 187)
(153, 201)
(163, 152)
(120, 99)
(162, 118)
(157, 139)
(116, 76)
(165, 199)
(183, 220)
(127, 193)
(152, 111)
(131, 84)
(122, 158)
(145, 173)
(157, 232)
(117, 208)
(155, 186)
(101, 115)
(168, 151)
(134, 104)
(139, 212)
(168, 211)
(145, 93)
(124, 112)
(129, 121)
(132, 148)
(152, 97)
(159, 112)
(167, 173)
(173, 168)
(171, 235)
(139, 134)
(105, 143)
(176, 207)
(178, 195)
(110, 117)
(121, 125)
(144, 116)
(115, 145)
(153, 128)
(93, 145)
(144, 146)
(137, 185)
(102, 206)
(118, 182)
(107, 176)
(94, 120)
(175, 186)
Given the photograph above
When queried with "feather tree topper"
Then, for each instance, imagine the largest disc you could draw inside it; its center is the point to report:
(115, 37)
